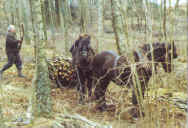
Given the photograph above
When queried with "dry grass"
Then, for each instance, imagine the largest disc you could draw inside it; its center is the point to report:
(16, 92)
(160, 113)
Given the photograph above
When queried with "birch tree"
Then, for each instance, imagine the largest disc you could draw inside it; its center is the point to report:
(118, 26)
(160, 17)
(187, 59)
(44, 28)
(83, 15)
(176, 9)
(123, 8)
(177, 4)
(100, 23)
(41, 99)
(47, 12)
(65, 17)
(164, 19)
(25, 20)
(57, 8)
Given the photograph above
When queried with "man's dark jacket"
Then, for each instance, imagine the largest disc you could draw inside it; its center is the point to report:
(12, 43)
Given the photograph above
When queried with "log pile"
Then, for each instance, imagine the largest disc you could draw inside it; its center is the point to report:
(62, 72)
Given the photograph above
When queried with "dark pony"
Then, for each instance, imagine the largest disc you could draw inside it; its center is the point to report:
(82, 55)
(162, 53)
(108, 66)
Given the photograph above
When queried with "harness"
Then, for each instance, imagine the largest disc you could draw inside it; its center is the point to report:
(141, 55)
(116, 61)
(116, 72)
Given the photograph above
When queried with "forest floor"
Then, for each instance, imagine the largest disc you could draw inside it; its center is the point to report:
(165, 101)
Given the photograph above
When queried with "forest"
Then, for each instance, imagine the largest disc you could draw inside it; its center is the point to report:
(93, 64)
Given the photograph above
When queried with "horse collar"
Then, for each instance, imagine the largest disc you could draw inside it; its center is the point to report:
(140, 54)
(116, 61)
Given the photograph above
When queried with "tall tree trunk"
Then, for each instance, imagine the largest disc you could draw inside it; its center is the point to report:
(68, 12)
(148, 16)
(41, 99)
(160, 17)
(65, 18)
(58, 18)
(47, 12)
(84, 15)
(100, 24)
(118, 27)
(1, 114)
(123, 11)
(177, 4)
(25, 20)
(187, 60)
(43, 20)
(33, 27)
(52, 17)
(164, 20)
(17, 13)
(176, 10)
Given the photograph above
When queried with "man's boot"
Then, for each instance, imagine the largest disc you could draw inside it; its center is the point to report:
(1, 74)
(20, 73)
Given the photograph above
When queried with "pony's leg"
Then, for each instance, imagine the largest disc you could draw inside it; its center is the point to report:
(144, 84)
(81, 87)
(134, 99)
(99, 93)
(89, 86)
(155, 66)
(166, 67)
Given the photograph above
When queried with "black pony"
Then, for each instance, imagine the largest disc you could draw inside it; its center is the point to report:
(82, 55)
(108, 66)
(162, 53)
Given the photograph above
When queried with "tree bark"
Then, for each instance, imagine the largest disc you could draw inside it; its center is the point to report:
(177, 4)
(84, 15)
(187, 59)
(160, 19)
(47, 12)
(43, 19)
(118, 27)
(164, 20)
(57, 8)
(41, 100)
(65, 18)
(100, 24)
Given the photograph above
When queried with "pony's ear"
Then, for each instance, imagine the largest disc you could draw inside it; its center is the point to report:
(75, 45)
(88, 37)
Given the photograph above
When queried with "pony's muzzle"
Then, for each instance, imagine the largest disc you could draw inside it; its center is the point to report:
(84, 53)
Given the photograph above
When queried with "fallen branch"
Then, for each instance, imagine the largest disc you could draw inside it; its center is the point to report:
(180, 103)
(92, 124)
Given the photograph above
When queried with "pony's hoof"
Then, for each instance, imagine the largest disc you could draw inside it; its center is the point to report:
(81, 102)
(135, 112)
(91, 99)
(105, 107)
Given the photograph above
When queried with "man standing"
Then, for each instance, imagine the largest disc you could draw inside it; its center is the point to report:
(12, 51)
